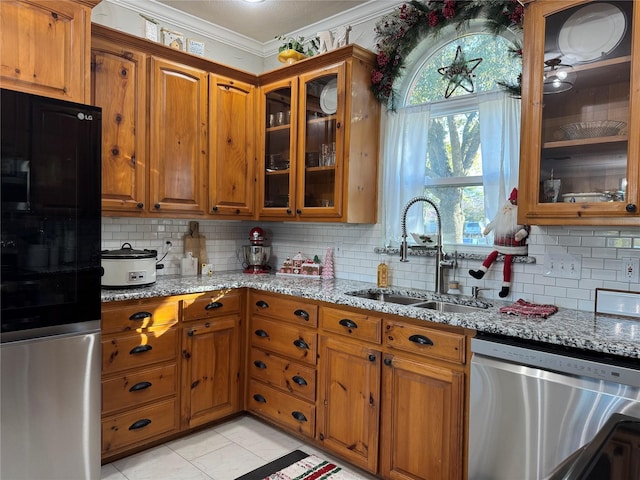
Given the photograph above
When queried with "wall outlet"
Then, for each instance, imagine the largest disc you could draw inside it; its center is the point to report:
(630, 268)
(563, 265)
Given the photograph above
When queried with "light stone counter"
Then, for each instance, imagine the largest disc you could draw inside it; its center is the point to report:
(571, 328)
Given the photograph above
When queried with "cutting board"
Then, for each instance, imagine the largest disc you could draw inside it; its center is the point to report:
(196, 243)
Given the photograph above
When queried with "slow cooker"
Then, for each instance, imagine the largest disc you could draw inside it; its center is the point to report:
(128, 267)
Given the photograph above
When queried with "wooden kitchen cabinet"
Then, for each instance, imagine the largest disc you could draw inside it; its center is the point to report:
(178, 129)
(139, 373)
(211, 353)
(318, 140)
(349, 400)
(423, 401)
(282, 366)
(574, 171)
(232, 147)
(45, 45)
(119, 86)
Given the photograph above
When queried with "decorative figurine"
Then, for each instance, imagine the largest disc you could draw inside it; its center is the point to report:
(509, 240)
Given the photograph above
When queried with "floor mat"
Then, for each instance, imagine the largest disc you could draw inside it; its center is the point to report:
(275, 466)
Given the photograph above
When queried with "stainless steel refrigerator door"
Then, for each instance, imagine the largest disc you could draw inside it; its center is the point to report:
(524, 421)
(50, 410)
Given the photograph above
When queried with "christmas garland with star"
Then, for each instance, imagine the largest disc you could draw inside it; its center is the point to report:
(398, 33)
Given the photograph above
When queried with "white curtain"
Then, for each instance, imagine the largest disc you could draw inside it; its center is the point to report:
(405, 151)
(500, 140)
(404, 168)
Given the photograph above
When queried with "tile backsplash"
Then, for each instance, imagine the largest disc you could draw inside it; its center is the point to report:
(600, 252)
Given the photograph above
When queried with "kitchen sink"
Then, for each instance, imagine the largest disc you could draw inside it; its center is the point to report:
(403, 299)
(387, 297)
(450, 307)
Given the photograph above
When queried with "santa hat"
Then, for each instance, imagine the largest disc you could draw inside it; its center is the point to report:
(514, 195)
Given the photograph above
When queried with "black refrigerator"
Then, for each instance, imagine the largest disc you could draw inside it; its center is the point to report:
(50, 353)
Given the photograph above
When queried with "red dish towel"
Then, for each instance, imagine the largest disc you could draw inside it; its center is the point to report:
(529, 309)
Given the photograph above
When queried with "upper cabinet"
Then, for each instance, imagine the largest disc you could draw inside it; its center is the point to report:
(45, 47)
(178, 128)
(232, 147)
(318, 140)
(580, 153)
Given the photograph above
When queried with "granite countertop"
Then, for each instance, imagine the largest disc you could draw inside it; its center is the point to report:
(570, 328)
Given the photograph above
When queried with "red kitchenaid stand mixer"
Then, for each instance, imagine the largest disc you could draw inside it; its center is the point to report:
(256, 255)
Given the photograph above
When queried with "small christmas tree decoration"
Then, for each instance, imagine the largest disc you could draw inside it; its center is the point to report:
(327, 269)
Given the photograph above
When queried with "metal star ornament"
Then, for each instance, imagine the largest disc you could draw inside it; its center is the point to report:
(459, 73)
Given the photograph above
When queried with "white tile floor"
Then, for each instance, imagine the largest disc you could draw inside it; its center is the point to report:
(223, 452)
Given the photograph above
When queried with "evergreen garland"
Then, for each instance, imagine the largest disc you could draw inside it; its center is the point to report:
(400, 32)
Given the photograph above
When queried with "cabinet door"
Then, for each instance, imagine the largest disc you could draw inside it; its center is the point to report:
(321, 143)
(231, 166)
(45, 48)
(210, 370)
(581, 98)
(349, 401)
(422, 421)
(277, 164)
(119, 88)
(178, 138)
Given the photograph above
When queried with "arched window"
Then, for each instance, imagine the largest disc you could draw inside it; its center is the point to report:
(455, 135)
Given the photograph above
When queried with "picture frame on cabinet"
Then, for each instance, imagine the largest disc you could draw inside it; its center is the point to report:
(150, 29)
(173, 39)
(195, 46)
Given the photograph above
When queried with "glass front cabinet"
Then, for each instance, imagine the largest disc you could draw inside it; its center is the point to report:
(580, 151)
(312, 138)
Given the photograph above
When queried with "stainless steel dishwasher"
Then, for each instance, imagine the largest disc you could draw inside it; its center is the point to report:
(532, 406)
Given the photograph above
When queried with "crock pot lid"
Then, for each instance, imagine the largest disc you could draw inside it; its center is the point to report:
(127, 251)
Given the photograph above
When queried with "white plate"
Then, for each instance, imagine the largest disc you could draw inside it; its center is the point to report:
(329, 97)
(592, 32)
(584, 197)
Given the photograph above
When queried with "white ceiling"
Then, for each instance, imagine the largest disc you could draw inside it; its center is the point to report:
(263, 21)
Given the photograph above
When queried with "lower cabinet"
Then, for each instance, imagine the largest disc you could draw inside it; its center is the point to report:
(349, 400)
(422, 419)
(139, 374)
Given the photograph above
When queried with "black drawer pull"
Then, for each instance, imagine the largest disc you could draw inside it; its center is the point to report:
(345, 322)
(140, 349)
(213, 305)
(301, 344)
(140, 386)
(302, 314)
(371, 357)
(259, 398)
(261, 333)
(420, 340)
(260, 364)
(262, 304)
(140, 315)
(299, 380)
(299, 416)
(140, 424)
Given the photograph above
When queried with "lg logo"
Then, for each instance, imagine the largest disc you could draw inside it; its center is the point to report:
(82, 116)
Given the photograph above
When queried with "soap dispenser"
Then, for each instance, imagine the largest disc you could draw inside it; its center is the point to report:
(383, 272)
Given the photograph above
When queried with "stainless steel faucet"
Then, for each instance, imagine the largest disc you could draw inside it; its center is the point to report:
(476, 290)
(441, 257)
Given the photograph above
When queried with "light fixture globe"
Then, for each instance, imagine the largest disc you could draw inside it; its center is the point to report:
(558, 77)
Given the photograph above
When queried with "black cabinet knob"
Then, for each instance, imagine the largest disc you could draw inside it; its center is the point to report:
(215, 208)
(157, 206)
(140, 205)
(387, 361)
(288, 211)
(631, 207)
(298, 211)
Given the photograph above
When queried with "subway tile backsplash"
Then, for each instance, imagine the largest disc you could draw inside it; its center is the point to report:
(600, 250)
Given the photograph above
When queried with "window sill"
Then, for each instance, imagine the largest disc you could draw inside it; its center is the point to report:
(431, 252)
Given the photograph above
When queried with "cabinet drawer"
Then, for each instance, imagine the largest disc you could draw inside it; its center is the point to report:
(289, 340)
(282, 408)
(210, 304)
(139, 426)
(137, 388)
(298, 380)
(144, 314)
(284, 308)
(425, 341)
(137, 350)
(356, 325)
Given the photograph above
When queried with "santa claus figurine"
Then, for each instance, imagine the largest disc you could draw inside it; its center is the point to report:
(509, 239)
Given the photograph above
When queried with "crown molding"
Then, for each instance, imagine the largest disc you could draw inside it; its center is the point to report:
(166, 14)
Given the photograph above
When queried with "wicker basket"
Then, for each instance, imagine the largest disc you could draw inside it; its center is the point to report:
(603, 128)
